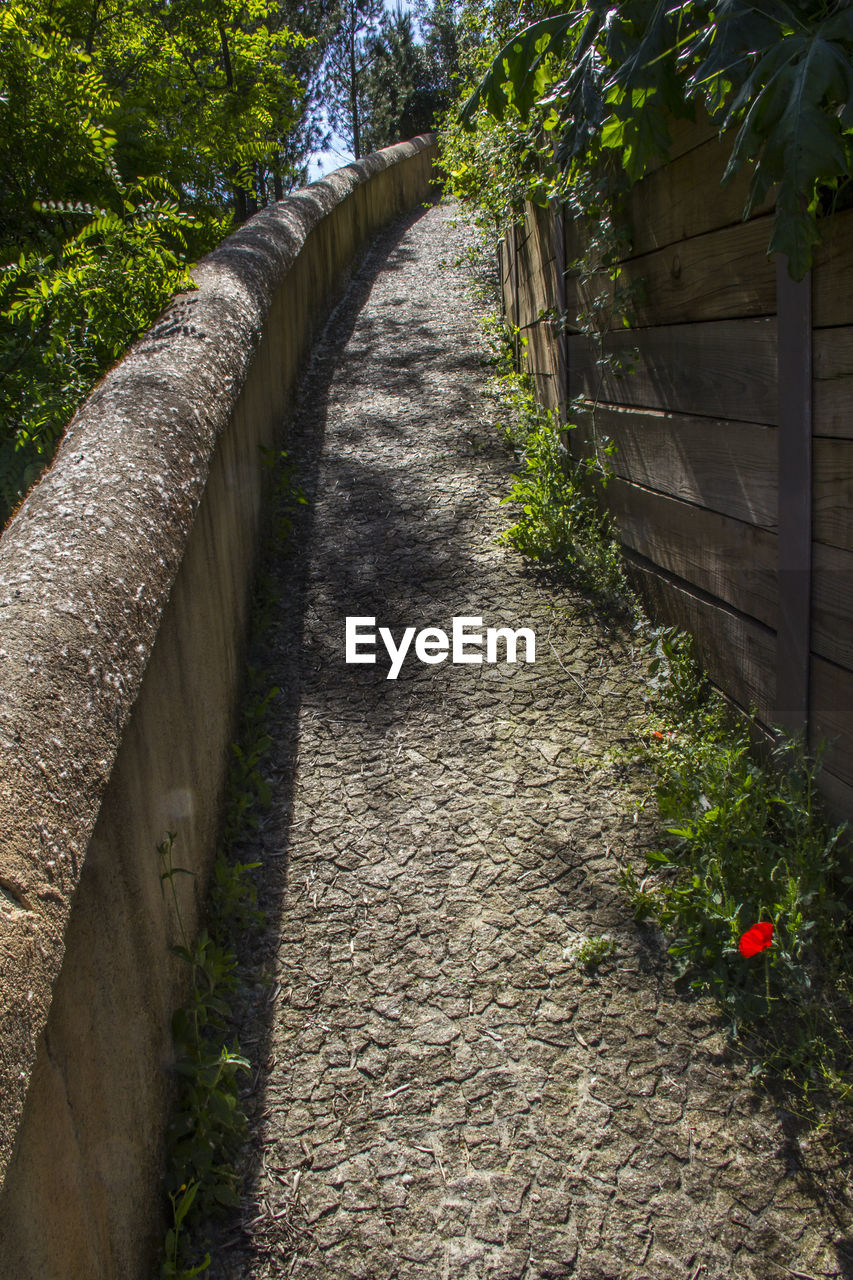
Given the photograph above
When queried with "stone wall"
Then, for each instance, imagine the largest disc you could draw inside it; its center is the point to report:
(124, 590)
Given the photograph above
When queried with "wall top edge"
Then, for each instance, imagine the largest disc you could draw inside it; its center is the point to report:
(86, 567)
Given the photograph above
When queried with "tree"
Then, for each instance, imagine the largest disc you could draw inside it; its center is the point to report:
(399, 101)
(440, 22)
(130, 136)
(384, 83)
(347, 62)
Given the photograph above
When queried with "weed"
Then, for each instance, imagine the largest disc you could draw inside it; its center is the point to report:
(208, 1124)
(561, 523)
(588, 952)
(287, 494)
(642, 898)
(747, 842)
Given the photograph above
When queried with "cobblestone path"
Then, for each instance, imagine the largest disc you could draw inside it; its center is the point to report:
(442, 1095)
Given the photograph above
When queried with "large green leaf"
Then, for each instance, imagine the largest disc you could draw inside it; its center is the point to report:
(797, 101)
(514, 75)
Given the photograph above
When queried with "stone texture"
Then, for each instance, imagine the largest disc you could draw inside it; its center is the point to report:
(440, 1094)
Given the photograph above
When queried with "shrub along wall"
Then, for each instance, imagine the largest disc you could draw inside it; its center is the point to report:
(124, 589)
(732, 417)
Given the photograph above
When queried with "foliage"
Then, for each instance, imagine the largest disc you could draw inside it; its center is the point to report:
(346, 65)
(383, 83)
(561, 523)
(748, 842)
(440, 24)
(493, 167)
(203, 93)
(589, 952)
(779, 80)
(128, 135)
(489, 170)
(71, 309)
(400, 97)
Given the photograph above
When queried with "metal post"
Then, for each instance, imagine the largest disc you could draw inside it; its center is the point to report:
(793, 638)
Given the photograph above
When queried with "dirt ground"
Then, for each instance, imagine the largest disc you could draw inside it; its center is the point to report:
(441, 1093)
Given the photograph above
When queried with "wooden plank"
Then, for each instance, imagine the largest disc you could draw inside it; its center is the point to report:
(832, 604)
(837, 796)
(833, 492)
(686, 135)
(515, 313)
(686, 198)
(738, 653)
(728, 467)
(740, 657)
(537, 260)
(719, 369)
(541, 358)
(832, 715)
(833, 271)
(538, 304)
(559, 338)
(723, 274)
(833, 382)
(730, 560)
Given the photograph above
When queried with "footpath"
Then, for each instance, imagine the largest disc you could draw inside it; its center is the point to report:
(440, 1092)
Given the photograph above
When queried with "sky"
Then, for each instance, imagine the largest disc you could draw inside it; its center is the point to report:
(323, 162)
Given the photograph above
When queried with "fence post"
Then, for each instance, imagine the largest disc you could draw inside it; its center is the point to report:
(562, 340)
(516, 318)
(793, 637)
(501, 277)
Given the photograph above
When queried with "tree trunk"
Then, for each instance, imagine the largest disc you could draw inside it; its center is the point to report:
(353, 87)
(241, 203)
(93, 21)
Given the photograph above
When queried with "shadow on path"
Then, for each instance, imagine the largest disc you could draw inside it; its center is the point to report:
(441, 1094)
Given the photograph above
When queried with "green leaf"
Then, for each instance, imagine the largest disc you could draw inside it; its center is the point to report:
(514, 75)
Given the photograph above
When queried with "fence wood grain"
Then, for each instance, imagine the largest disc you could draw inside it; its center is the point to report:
(728, 467)
(709, 277)
(689, 395)
(720, 369)
(686, 198)
(832, 605)
(731, 560)
(737, 652)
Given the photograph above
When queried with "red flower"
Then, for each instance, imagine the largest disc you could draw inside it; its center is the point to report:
(756, 939)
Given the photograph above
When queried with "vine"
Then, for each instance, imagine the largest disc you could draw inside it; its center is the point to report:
(777, 80)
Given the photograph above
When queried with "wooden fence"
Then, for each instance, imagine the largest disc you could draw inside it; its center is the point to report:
(732, 417)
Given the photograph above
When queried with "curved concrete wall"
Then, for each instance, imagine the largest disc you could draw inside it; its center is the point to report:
(124, 590)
